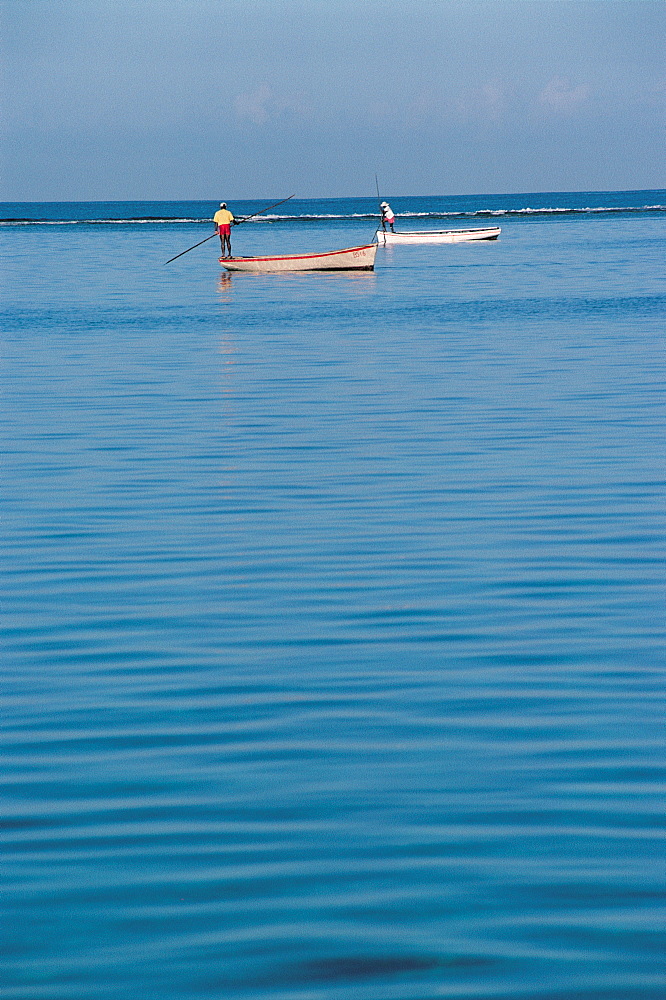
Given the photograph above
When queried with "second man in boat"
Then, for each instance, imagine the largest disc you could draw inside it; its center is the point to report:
(387, 216)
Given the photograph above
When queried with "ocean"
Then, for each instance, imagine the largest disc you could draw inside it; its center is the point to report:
(333, 604)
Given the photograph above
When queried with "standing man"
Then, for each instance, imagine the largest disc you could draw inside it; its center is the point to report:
(387, 216)
(223, 220)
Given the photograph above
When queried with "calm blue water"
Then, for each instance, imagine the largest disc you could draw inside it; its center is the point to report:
(334, 605)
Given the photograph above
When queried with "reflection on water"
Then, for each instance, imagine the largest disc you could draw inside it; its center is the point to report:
(224, 286)
(359, 282)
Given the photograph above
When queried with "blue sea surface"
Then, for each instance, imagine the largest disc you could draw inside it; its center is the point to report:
(333, 604)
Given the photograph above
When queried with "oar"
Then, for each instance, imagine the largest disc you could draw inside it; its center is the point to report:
(267, 209)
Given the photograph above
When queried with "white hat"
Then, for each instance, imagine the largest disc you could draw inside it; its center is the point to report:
(384, 204)
(223, 204)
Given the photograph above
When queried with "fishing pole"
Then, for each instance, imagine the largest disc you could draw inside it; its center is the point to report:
(238, 223)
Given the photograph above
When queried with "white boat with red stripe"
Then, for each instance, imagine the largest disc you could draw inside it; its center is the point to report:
(351, 259)
(439, 235)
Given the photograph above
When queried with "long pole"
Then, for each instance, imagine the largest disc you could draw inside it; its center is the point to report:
(189, 248)
(379, 201)
(267, 209)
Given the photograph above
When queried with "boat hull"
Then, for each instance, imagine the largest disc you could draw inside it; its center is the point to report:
(350, 259)
(439, 236)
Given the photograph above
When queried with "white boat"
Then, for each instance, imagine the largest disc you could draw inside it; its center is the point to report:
(351, 259)
(439, 235)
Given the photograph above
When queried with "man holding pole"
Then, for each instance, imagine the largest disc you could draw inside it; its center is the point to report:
(231, 221)
(224, 220)
(387, 216)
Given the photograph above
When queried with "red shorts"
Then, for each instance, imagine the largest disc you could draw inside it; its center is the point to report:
(224, 230)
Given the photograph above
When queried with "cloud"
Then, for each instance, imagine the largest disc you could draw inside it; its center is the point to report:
(255, 105)
(262, 105)
(560, 96)
(493, 99)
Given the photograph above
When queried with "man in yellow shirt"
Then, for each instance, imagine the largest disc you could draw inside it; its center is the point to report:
(223, 220)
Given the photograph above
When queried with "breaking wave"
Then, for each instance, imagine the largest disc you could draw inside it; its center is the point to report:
(481, 213)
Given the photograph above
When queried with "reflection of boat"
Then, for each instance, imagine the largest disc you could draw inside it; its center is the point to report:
(439, 235)
(351, 259)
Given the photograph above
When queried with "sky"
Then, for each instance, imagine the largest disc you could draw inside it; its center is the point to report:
(235, 99)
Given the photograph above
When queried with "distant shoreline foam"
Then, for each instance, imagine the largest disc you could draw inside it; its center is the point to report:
(342, 217)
